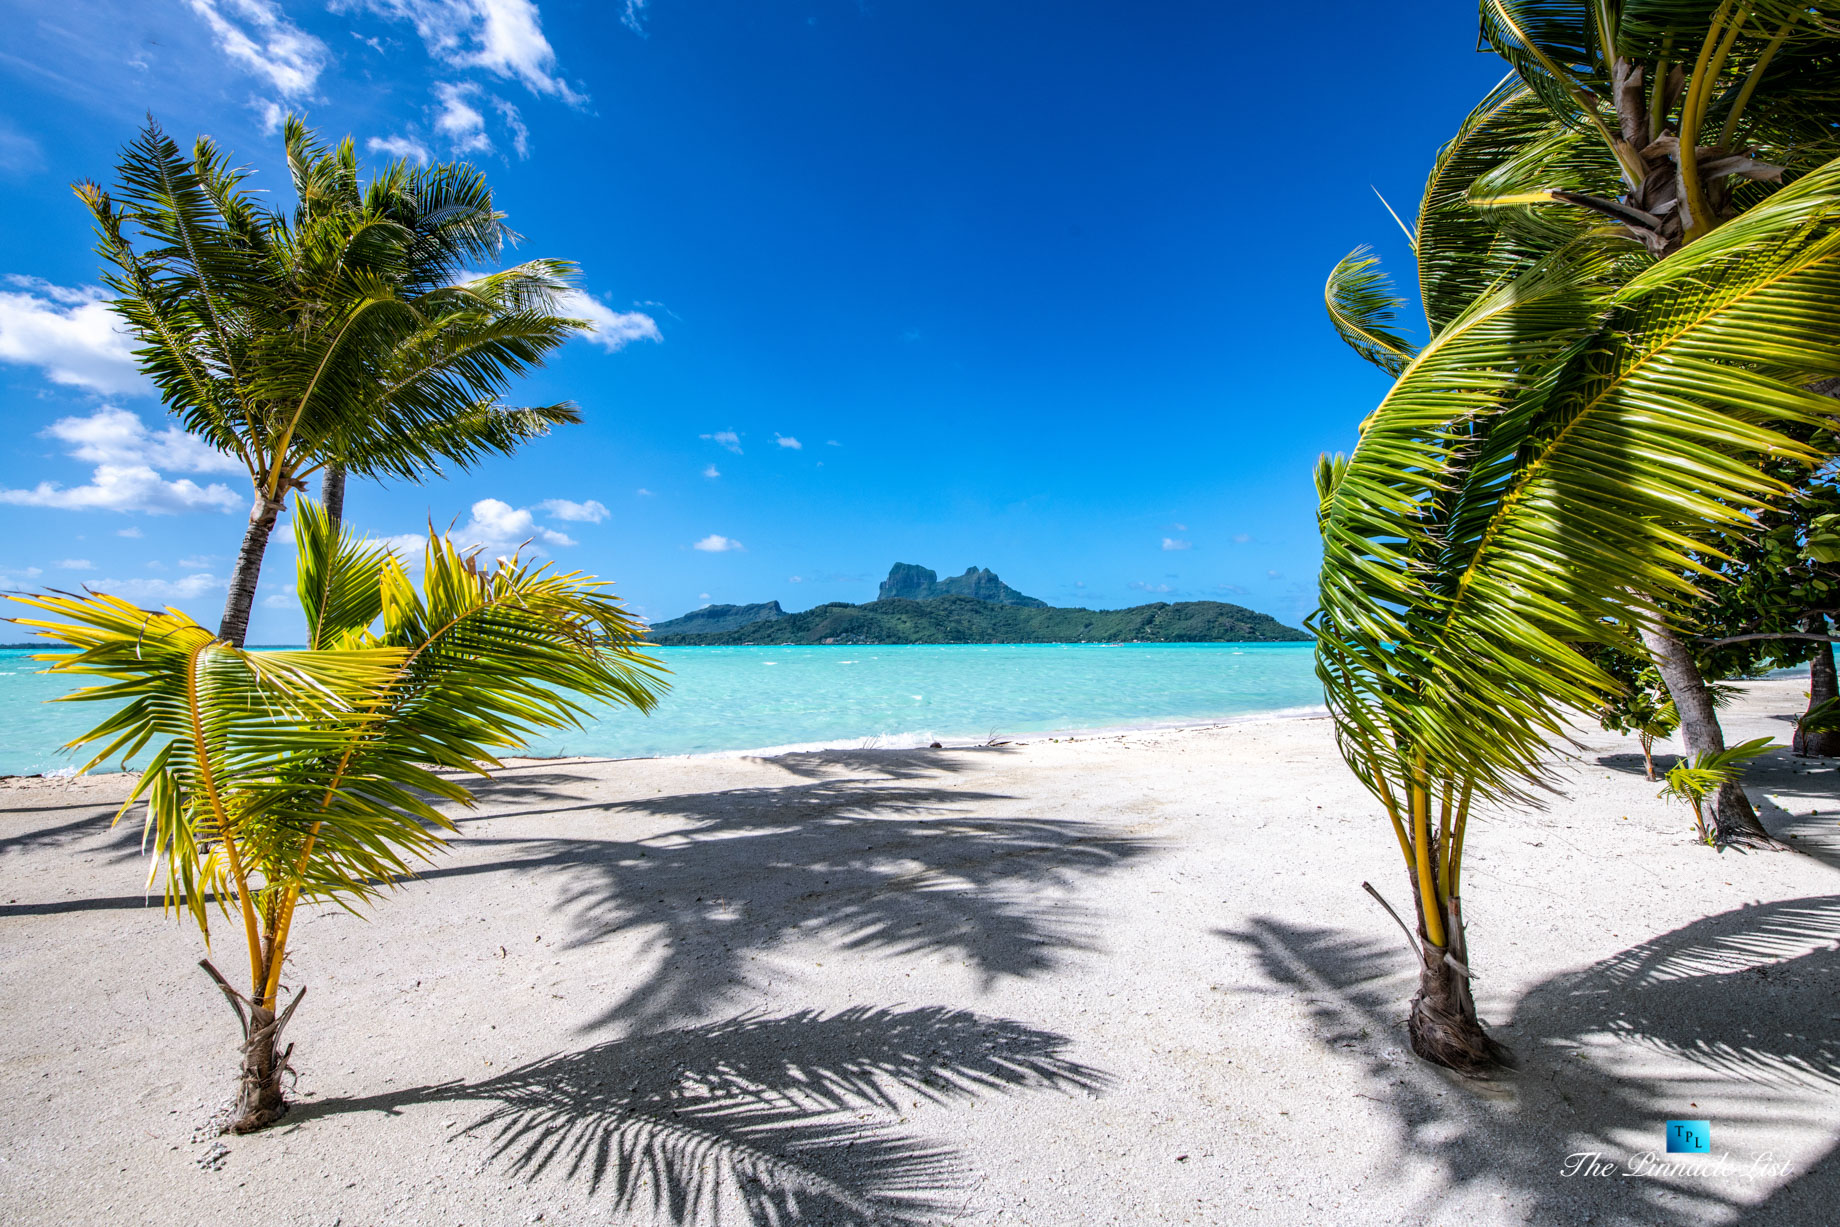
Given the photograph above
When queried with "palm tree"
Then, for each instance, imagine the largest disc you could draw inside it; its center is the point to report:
(1543, 473)
(1611, 114)
(340, 339)
(275, 777)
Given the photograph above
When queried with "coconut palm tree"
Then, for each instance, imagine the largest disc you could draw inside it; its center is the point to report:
(1543, 473)
(343, 338)
(1649, 121)
(277, 777)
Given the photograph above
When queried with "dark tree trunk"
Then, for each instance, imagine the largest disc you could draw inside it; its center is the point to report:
(1734, 822)
(332, 491)
(1443, 1023)
(242, 594)
(260, 1101)
(1822, 686)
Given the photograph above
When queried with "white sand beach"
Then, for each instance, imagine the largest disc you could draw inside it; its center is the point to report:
(1121, 979)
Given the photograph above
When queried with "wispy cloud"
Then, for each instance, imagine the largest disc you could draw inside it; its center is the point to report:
(1241, 538)
(1140, 586)
(613, 330)
(69, 333)
(1171, 543)
(140, 588)
(503, 37)
(459, 120)
(711, 471)
(398, 146)
(789, 441)
(132, 532)
(124, 453)
(257, 36)
(715, 543)
(642, 492)
(74, 564)
(590, 512)
(726, 438)
(634, 17)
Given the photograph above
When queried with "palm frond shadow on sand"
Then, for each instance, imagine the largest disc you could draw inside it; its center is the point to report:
(891, 866)
(1742, 997)
(758, 1120)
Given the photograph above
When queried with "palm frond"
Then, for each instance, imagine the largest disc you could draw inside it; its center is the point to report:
(1364, 309)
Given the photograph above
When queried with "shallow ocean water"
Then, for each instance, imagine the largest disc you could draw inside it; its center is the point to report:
(753, 698)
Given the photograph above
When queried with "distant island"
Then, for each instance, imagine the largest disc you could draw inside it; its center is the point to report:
(916, 606)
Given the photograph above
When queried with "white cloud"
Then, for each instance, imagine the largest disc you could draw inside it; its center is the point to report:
(715, 543)
(711, 471)
(497, 525)
(642, 492)
(124, 452)
(74, 564)
(71, 334)
(257, 36)
(270, 113)
(795, 579)
(1272, 575)
(198, 562)
(634, 17)
(1178, 528)
(1143, 587)
(504, 37)
(132, 531)
(702, 596)
(726, 438)
(400, 147)
(10, 573)
(1170, 543)
(460, 121)
(186, 588)
(116, 436)
(126, 488)
(514, 120)
(832, 443)
(590, 512)
(613, 330)
(1241, 538)
(788, 441)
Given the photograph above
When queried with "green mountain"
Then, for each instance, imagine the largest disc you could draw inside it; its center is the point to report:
(714, 619)
(906, 581)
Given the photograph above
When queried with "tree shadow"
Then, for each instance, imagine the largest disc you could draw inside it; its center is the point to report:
(120, 840)
(777, 1120)
(868, 865)
(1631, 764)
(1738, 997)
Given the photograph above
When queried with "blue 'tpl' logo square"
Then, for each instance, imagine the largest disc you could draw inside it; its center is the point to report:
(1689, 1137)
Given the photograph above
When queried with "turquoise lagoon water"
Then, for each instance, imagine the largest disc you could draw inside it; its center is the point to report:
(732, 699)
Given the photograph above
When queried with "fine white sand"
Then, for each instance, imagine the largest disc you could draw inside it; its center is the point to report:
(1119, 979)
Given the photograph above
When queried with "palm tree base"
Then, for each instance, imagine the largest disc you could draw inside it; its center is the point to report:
(1444, 1027)
(259, 1098)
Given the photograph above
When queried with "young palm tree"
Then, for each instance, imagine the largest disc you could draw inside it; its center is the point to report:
(342, 338)
(1649, 121)
(277, 777)
(1542, 474)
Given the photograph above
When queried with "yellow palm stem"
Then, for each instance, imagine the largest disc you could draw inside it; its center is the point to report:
(1453, 858)
(1717, 46)
(1392, 811)
(1429, 905)
(1750, 83)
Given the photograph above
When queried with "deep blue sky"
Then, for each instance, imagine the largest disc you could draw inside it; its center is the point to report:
(1035, 286)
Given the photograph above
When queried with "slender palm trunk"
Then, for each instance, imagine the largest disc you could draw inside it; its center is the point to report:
(1822, 686)
(332, 491)
(1733, 819)
(242, 594)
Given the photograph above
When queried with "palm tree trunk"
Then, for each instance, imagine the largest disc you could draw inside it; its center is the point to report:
(1443, 1024)
(1822, 686)
(242, 594)
(332, 492)
(260, 1101)
(1733, 819)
